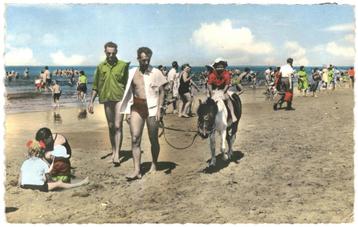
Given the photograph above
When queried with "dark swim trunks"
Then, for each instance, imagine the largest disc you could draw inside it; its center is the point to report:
(82, 87)
(140, 106)
(56, 96)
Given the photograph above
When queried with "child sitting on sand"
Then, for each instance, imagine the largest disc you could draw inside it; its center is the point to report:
(34, 170)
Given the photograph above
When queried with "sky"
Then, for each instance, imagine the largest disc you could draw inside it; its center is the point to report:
(243, 34)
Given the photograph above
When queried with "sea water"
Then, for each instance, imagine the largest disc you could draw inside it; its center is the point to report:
(43, 101)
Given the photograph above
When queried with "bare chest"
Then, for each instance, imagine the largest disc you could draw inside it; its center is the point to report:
(138, 85)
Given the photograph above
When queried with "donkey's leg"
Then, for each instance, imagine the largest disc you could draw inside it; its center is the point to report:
(223, 143)
(212, 149)
(231, 139)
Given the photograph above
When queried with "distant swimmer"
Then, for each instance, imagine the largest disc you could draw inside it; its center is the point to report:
(56, 93)
(110, 79)
(47, 78)
(82, 86)
(26, 73)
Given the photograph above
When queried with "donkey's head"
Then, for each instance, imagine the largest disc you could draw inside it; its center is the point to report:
(206, 117)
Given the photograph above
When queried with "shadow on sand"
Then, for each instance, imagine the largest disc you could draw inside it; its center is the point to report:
(124, 155)
(167, 167)
(221, 164)
(10, 209)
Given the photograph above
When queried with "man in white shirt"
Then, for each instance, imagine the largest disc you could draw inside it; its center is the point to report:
(286, 80)
(268, 75)
(173, 79)
(143, 98)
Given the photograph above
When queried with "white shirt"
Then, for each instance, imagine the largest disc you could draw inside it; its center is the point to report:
(153, 80)
(33, 171)
(286, 70)
(172, 74)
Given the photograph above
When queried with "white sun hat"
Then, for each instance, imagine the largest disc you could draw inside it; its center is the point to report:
(219, 60)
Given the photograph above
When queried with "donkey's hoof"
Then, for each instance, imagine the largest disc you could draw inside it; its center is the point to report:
(229, 156)
(212, 163)
(225, 157)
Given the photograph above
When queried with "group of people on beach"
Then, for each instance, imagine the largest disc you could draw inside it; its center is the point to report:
(139, 94)
(280, 81)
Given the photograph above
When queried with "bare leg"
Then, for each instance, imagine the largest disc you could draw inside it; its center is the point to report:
(118, 128)
(136, 127)
(174, 105)
(183, 103)
(110, 115)
(60, 184)
(152, 126)
(187, 104)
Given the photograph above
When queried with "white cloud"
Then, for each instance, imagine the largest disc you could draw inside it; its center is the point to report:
(297, 52)
(20, 56)
(341, 28)
(349, 38)
(50, 40)
(223, 39)
(17, 40)
(341, 51)
(59, 58)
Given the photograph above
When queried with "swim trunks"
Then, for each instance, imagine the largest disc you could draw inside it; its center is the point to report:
(140, 106)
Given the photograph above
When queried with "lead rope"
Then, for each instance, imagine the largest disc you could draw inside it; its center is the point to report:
(161, 125)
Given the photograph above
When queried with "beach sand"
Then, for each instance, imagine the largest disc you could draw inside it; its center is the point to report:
(288, 167)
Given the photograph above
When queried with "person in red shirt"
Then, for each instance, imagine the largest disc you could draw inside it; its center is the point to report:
(350, 73)
(220, 79)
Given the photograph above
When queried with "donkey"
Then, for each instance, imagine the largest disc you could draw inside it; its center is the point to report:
(212, 117)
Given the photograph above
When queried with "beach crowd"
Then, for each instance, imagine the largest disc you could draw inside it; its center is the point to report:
(141, 95)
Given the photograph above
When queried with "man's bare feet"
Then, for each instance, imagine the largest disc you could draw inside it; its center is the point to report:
(114, 159)
(133, 176)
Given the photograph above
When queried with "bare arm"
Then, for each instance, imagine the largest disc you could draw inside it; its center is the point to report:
(94, 91)
(90, 105)
(186, 77)
(210, 89)
(160, 102)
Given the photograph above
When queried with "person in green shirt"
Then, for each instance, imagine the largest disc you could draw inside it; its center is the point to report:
(331, 77)
(302, 80)
(110, 79)
(82, 86)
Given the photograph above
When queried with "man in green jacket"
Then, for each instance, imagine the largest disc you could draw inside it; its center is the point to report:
(110, 79)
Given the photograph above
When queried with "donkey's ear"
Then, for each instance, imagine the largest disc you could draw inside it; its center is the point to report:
(200, 102)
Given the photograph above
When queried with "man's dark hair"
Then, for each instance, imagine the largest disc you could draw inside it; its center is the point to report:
(289, 60)
(145, 50)
(160, 67)
(43, 133)
(174, 64)
(302, 67)
(110, 44)
(82, 72)
(46, 67)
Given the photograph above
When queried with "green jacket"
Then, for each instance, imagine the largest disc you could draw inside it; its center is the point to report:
(109, 81)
